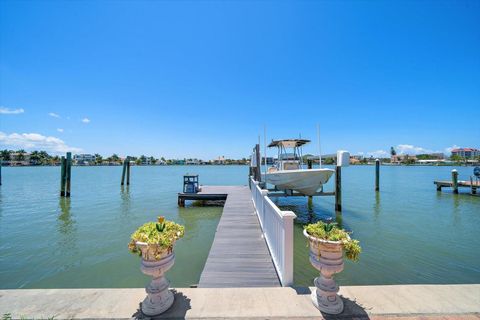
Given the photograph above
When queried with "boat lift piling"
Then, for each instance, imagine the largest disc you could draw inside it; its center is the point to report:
(256, 162)
(338, 187)
(310, 166)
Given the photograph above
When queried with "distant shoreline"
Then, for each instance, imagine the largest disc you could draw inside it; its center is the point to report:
(235, 164)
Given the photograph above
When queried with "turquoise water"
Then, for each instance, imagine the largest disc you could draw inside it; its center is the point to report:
(410, 233)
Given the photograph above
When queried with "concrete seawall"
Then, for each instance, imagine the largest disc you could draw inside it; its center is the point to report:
(361, 302)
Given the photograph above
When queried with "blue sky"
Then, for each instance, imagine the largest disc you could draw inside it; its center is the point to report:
(202, 79)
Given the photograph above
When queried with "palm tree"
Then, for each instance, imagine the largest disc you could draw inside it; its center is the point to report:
(44, 157)
(35, 158)
(5, 154)
(54, 160)
(20, 155)
(115, 158)
(392, 151)
(98, 158)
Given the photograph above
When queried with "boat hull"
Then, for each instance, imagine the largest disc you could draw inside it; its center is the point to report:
(305, 181)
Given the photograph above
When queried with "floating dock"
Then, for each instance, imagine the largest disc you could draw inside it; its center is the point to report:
(239, 256)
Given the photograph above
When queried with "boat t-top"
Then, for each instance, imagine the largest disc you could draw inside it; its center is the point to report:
(288, 172)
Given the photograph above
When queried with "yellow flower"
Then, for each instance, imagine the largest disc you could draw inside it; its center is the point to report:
(161, 219)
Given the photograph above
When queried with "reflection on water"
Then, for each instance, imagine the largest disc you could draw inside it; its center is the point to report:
(192, 251)
(66, 224)
(409, 232)
(389, 223)
(377, 207)
(67, 232)
(125, 196)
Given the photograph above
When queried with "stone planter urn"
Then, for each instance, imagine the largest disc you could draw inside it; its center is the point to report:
(155, 262)
(327, 257)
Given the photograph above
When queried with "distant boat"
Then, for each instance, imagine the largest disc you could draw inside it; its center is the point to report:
(288, 174)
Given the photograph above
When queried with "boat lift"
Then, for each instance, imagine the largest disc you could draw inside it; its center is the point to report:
(343, 160)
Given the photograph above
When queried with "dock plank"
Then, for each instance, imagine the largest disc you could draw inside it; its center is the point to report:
(239, 256)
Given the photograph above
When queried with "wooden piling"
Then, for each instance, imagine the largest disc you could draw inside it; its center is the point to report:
(128, 171)
(250, 174)
(1, 160)
(63, 176)
(455, 180)
(473, 190)
(377, 175)
(68, 174)
(310, 166)
(338, 189)
(258, 175)
(124, 169)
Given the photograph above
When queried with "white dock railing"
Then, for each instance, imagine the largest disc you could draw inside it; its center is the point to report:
(277, 227)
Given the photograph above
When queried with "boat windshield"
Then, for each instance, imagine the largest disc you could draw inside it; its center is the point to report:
(289, 160)
(288, 156)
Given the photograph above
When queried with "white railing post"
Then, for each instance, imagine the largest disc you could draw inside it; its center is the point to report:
(264, 193)
(277, 228)
(288, 217)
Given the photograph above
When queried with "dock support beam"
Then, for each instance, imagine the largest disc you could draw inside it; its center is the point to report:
(377, 175)
(181, 202)
(455, 180)
(338, 188)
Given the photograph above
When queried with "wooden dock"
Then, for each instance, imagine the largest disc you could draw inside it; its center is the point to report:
(239, 256)
(472, 185)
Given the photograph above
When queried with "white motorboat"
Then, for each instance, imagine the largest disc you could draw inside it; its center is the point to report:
(287, 173)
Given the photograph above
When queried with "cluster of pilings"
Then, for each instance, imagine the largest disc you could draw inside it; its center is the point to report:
(66, 175)
(126, 169)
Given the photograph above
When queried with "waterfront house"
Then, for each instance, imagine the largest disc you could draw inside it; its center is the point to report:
(18, 159)
(403, 158)
(84, 159)
(193, 161)
(466, 153)
(219, 160)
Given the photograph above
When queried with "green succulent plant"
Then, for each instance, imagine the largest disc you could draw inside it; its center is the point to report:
(331, 232)
(162, 233)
